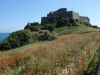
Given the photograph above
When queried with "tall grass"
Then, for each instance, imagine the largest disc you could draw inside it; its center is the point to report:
(66, 55)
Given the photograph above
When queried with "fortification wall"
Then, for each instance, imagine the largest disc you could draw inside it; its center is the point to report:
(86, 19)
(59, 13)
(72, 14)
(44, 20)
(75, 15)
(62, 12)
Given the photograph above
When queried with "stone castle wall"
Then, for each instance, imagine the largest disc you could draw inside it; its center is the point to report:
(86, 19)
(59, 13)
(72, 14)
(62, 12)
(44, 20)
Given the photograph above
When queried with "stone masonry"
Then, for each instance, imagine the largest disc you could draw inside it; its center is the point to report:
(62, 12)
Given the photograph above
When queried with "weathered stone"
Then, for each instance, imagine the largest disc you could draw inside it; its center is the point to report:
(62, 12)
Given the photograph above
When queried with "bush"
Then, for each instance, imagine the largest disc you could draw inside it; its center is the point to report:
(49, 27)
(23, 37)
(69, 24)
(17, 39)
(33, 26)
(86, 23)
(95, 26)
(62, 22)
(45, 35)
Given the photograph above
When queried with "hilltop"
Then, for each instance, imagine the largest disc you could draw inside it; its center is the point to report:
(57, 23)
(60, 45)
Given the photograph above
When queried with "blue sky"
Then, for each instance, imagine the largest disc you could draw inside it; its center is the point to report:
(15, 14)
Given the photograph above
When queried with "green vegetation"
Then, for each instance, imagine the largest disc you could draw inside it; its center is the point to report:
(94, 63)
(54, 23)
(17, 39)
(23, 37)
(36, 32)
(49, 27)
(62, 22)
(46, 35)
(33, 26)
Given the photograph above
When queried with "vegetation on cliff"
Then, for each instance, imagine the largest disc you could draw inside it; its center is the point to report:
(23, 37)
(37, 32)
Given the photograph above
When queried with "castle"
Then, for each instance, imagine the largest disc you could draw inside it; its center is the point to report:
(62, 12)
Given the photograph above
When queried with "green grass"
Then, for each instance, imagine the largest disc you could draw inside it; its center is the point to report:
(58, 30)
(74, 30)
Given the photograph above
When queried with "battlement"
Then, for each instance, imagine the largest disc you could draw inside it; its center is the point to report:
(59, 13)
(62, 10)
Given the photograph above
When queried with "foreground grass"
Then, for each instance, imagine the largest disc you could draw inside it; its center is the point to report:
(51, 58)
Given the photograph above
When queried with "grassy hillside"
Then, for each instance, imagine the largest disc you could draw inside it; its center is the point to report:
(70, 54)
(34, 32)
(66, 46)
(74, 29)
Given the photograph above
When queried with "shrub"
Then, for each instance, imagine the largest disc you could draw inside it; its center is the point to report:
(87, 24)
(23, 37)
(33, 26)
(46, 35)
(62, 22)
(95, 26)
(49, 27)
(17, 39)
(69, 24)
